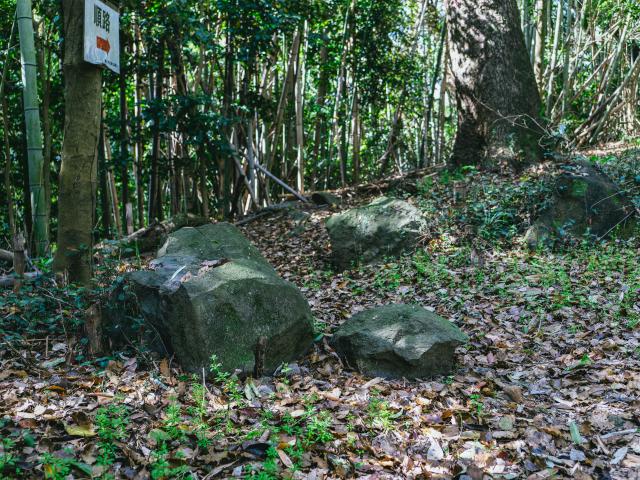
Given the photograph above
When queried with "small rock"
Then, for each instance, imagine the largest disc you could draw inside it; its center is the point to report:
(506, 423)
(577, 455)
(435, 452)
(340, 466)
(514, 392)
(398, 341)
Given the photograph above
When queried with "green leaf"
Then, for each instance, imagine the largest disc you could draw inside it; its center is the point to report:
(83, 467)
(80, 430)
(159, 435)
(575, 433)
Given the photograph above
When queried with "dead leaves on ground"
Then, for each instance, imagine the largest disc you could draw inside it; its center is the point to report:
(547, 388)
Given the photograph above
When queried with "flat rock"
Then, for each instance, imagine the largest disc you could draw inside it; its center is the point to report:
(398, 341)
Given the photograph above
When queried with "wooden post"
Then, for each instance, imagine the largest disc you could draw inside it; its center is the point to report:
(19, 260)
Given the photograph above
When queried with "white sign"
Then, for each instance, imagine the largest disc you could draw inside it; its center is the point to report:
(101, 35)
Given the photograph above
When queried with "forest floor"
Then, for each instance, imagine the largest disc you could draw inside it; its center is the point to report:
(548, 386)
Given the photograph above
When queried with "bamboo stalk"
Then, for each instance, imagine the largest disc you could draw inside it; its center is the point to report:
(32, 125)
(5, 130)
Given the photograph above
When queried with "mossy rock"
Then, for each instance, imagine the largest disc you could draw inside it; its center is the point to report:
(398, 341)
(385, 228)
(211, 292)
(585, 204)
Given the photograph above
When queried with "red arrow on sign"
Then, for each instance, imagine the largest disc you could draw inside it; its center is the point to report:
(103, 44)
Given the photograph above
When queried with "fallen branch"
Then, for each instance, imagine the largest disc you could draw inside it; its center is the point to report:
(281, 183)
(6, 255)
(393, 181)
(287, 204)
(8, 281)
(153, 236)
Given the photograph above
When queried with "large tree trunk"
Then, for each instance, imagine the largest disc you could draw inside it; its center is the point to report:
(497, 97)
(82, 95)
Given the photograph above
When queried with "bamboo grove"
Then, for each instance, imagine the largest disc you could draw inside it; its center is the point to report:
(223, 107)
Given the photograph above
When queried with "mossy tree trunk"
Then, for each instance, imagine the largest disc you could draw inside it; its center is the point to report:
(498, 101)
(77, 197)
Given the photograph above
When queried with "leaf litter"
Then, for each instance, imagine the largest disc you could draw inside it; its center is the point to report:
(546, 388)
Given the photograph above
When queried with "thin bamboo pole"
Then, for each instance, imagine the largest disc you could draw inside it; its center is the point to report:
(32, 126)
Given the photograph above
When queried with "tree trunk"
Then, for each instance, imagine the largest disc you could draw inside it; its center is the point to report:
(7, 169)
(541, 39)
(139, 149)
(496, 93)
(299, 100)
(554, 57)
(76, 203)
(44, 71)
(355, 129)
(155, 205)
(104, 187)
(124, 132)
(7, 149)
(323, 86)
(32, 127)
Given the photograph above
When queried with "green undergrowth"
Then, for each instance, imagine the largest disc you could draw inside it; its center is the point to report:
(602, 278)
(491, 207)
(624, 169)
(472, 255)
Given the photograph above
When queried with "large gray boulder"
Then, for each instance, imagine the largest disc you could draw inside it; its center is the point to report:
(385, 228)
(398, 341)
(585, 202)
(211, 292)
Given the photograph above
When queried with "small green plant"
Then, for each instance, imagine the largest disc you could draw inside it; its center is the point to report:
(500, 211)
(289, 425)
(425, 186)
(379, 415)
(173, 423)
(229, 383)
(574, 329)
(111, 422)
(585, 361)
(389, 277)
(318, 428)
(296, 453)
(7, 458)
(269, 470)
(162, 469)
(56, 468)
(477, 404)
(199, 412)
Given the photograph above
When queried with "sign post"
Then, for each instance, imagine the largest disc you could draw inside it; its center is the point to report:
(101, 35)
